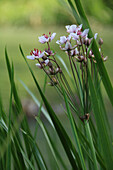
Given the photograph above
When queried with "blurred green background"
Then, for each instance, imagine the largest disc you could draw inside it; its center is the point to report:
(22, 21)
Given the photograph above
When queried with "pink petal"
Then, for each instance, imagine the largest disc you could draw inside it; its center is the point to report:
(46, 62)
(69, 37)
(85, 33)
(38, 65)
(72, 29)
(67, 27)
(43, 40)
(95, 36)
(74, 36)
(58, 42)
(63, 39)
(79, 27)
(40, 55)
(68, 45)
(31, 57)
(53, 36)
(76, 51)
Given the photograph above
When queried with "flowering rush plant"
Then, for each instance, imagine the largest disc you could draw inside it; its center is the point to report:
(81, 92)
(78, 47)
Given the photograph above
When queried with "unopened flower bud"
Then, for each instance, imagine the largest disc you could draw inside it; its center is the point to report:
(94, 61)
(90, 54)
(85, 60)
(105, 58)
(44, 57)
(54, 80)
(52, 72)
(81, 58)
(57, 70)
(99, 49)
(50, 64)
(89, 42)
(93, 56)
(51, 83)
(60, 71)
(100, 41)
(85, 41)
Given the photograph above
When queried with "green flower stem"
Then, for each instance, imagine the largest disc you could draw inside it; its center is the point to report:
(74, 131)
(88, 132)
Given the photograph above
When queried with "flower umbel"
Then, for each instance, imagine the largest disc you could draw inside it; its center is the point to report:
(76, 44)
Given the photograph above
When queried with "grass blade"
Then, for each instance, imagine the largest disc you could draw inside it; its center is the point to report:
(102, 130)
(24, 123)
(9, 124)
(75, 14)
(48, 140)
(91, 144)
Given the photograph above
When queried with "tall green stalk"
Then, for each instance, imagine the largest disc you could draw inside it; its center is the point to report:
(88, 132)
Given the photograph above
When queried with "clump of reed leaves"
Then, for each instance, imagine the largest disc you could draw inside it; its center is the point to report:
(91, 147)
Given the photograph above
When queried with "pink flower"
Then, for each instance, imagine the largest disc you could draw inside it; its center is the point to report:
(45, 38)
(52, 36)
(84, 33)
(74, 36)
(74, 52)
(36, 54)
(68, 46)
(71, 28)
(63, 39)
(79, 28)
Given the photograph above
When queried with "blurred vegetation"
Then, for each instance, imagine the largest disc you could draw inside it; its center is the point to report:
(45, 12)
(31, 13)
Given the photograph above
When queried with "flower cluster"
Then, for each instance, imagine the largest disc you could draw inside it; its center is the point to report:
(81, 42)
(46, 59)
(76, 44)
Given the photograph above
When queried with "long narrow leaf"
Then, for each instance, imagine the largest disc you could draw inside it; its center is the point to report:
(89, 135)
(48, 140)
(103, 134)
(9, 123)
(24, 124)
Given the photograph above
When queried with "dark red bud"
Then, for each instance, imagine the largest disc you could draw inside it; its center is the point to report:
(100, 41)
